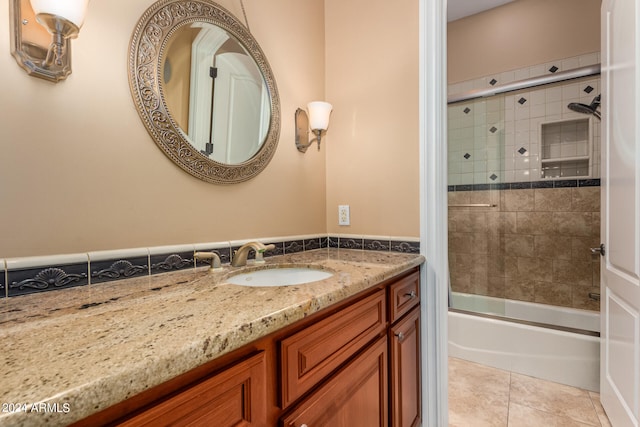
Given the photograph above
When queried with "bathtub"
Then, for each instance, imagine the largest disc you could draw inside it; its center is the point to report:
(570, 356)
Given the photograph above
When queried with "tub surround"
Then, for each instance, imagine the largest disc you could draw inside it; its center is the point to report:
(20, 276)
(533, 245)
(86, 348)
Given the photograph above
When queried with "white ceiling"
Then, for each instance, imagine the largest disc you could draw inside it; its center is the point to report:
(457, 9)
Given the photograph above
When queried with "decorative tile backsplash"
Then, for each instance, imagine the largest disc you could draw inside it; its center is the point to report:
(20, 276)
(498, 139)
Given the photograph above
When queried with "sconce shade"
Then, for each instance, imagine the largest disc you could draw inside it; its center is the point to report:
(71, 10)
(319, 113)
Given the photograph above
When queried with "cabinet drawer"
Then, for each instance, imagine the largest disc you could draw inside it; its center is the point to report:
(404, 295)
(311, 354)
(234, 397)
(355, 396)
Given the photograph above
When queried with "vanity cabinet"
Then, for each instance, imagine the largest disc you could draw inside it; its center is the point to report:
(404, 340)
(355, 363)
(355, 396)
(404, 350)
(313, 353)
(234, 397)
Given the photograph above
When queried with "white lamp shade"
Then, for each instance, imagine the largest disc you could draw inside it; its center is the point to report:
(72, 10)
(319, 113)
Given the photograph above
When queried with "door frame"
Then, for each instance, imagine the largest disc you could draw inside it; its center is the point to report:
(433, 209)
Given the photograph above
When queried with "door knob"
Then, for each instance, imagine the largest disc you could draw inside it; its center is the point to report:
(598, 250)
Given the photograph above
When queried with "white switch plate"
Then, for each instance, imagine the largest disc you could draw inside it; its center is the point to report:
(343, 215)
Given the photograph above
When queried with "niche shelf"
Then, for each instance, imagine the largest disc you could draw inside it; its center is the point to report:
(566, 149)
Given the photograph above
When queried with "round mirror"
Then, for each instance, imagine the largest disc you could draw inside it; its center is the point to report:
(204, 90)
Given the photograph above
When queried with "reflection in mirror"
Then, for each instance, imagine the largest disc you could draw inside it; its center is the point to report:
(216, 93)
(204, 90)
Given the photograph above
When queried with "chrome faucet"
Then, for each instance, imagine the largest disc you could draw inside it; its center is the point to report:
(240, 256)
(215, 259)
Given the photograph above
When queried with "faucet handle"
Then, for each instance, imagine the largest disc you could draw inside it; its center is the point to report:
(215, 259)
(260, 253)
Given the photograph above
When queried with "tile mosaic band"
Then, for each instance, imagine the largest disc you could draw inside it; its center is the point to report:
(44, 278)
(565, 183)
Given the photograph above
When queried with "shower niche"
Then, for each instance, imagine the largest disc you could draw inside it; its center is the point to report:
(566, 147)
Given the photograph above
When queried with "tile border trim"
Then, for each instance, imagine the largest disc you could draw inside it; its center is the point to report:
(51, 273)
(533, 185)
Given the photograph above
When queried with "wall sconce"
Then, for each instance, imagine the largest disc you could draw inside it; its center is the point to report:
(62, 19)
(317, 120)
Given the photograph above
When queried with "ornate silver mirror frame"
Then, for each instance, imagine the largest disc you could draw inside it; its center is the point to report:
(146, 68)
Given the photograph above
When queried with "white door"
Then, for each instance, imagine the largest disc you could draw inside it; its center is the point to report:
(620, 349)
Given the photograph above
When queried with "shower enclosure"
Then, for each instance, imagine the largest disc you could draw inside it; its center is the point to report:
(524, 213)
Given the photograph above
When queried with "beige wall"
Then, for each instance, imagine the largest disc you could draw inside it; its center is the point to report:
(79, 172)
(372, 145)
(521, 34)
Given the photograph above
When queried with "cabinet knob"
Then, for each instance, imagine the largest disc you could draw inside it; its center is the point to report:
(400, 336)
(411, 295)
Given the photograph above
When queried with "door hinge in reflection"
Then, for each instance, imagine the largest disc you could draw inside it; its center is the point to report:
(208, 149)
(213, 72)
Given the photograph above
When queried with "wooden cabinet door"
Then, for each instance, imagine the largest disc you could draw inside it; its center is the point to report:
(355, 396)
(235, 397)
(405, 371)
(313, 353)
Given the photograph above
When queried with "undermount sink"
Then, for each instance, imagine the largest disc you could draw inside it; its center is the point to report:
(279, 277)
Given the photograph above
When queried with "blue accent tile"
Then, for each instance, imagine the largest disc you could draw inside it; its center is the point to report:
(588, 89)
(589, 182)
(293, 246)
(493, 177)
(467, 110)
(467, 155)
(3, 288)
(464, 187)
(377, 245)
(405, 247)
(520, 185)
(333, 242)
(493, 129)
(171, 262)
(350, 243)
(542, 184)
(501, 186)
(553, 69)
(43, 279)
(522, 150)
(565, 183)
(521, 101)
(480, 187)
(493, 82)
(106, 271)
(311, 244)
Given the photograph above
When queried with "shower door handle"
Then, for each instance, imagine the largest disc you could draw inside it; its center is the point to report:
(598, 250)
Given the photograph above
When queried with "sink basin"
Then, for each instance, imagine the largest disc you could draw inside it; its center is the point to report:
(279, 277)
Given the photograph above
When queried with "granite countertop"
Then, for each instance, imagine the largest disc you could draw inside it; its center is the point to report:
(81, 350)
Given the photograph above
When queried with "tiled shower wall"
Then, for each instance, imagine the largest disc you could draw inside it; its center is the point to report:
(498, 139)
(534, 245)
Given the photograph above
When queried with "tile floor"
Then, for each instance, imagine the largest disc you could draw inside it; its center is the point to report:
(482, 396)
